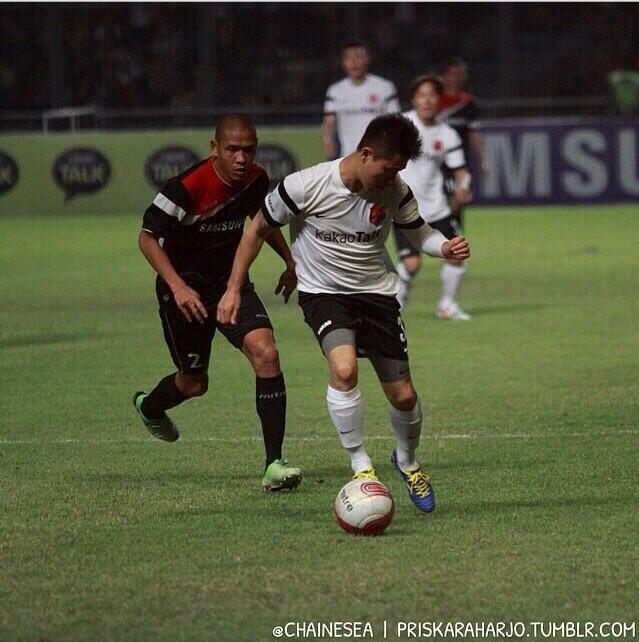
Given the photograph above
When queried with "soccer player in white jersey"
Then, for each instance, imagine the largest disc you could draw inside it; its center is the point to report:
(341, 213)
(353, 102)
(441, 149)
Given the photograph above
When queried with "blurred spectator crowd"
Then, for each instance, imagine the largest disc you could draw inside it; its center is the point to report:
(270, 54)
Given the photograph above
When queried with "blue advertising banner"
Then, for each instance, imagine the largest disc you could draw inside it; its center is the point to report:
(558, 161)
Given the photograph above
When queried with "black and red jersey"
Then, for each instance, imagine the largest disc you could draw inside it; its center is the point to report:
(460, 111)
(201, 219)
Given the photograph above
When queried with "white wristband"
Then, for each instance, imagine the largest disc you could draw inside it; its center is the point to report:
(432, 245)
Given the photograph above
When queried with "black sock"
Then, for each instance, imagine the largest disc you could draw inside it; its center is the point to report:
(164, 396)
(270, 399)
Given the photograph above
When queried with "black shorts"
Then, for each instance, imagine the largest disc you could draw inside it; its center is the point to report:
(375, 318)
(449, 181)
(449, 227)
(190, 343)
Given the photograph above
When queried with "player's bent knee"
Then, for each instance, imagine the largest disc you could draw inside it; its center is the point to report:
(264, 356)
(193, 385)
(402, 395)
(344, 374)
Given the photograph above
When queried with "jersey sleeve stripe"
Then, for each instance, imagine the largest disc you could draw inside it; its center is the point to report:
(391, 97)
(407, 199)
(287, 199)
(269, 219)
(169, 207)
(413, 225)
(454, 149)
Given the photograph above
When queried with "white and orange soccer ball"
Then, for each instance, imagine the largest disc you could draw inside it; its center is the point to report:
(364, 507)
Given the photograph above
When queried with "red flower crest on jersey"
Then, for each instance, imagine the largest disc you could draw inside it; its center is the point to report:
(378, 214)
(373, 98)
(438, 145)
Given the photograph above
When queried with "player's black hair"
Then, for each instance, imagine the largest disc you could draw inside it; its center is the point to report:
(390, 135)
(455, 61)
(231, 120)
(354, 44)
(433, 79)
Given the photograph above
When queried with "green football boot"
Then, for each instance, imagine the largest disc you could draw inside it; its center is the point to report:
(162, 428)
(280, 476)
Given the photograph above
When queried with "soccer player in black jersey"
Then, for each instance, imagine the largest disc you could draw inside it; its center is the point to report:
(458, 108)
(200, 216)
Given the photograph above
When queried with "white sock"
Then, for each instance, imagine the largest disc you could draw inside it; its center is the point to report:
(451, 276)
(347, 412)
(407, 426)
(405, 283)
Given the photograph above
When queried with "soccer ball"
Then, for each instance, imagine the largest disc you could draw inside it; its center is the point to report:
(364, 507)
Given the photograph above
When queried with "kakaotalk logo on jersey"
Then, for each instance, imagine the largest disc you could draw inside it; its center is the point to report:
(167, 162)
(9, 173)
(81, 171)
(277, 161)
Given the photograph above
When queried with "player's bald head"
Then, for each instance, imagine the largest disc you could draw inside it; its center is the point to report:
(234, 123)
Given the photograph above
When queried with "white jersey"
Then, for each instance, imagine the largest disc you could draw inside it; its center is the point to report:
(441, 145)
(337, 236)
(356, 105)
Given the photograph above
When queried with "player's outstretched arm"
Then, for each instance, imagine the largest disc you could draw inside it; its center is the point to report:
(250, 246)
(187, 299)
(434, 243)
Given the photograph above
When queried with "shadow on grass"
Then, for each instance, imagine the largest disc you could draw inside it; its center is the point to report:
(298, 514)
(291, 517)
(266, 511)
(47, 339)
(173, 477)
(339, 472)
(240, 483)
(489, 310)
(492, 464)
(495, 506)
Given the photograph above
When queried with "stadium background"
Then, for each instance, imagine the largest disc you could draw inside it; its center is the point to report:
(128, 56)
(172, 68)
(532, 423)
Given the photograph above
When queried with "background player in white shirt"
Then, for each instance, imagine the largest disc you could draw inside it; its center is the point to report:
(354, 101)
(341, 214)
(441, 149)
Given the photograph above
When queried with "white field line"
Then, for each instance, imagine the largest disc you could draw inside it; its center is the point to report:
(477, 436)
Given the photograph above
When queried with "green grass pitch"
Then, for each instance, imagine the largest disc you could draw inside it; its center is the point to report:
(531, 437)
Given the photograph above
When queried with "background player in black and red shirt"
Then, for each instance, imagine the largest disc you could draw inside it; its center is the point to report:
(458, 108)
(189, 236)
